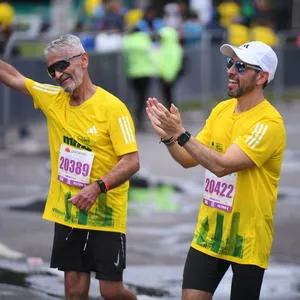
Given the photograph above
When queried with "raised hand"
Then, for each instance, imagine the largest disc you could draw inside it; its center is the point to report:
(165, 122)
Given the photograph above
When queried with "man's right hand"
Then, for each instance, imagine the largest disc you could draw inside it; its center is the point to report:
(154, 121)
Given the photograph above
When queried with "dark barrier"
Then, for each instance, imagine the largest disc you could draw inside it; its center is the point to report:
(205, 77)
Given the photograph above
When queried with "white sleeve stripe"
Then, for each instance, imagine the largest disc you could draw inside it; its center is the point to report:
(123, 130)
(45, 90)
(126, 130)
(257, 135)
(260, 137)
(47, 86)
(129, 130)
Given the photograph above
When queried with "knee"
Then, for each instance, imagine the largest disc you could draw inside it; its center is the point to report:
(111, 290)
(76, 293)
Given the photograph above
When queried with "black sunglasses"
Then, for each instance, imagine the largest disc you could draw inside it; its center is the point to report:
(240, 66)
(60, 65)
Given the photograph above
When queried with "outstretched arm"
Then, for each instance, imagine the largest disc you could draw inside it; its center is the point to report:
(12, 78)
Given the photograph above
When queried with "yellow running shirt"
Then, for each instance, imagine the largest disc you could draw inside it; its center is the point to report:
(236, 223)
(101, 128)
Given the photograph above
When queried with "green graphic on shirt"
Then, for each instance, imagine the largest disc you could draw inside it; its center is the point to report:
(101, 216)
(82, 217)
(68, 206)
(203, 232)
(70, 141)
(234, 244)
(218, 233)
(104, 212)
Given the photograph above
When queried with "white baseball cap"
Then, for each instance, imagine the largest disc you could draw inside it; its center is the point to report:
(254, 53)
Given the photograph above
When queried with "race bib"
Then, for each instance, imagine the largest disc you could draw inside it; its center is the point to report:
(74, 166)
(219, 192)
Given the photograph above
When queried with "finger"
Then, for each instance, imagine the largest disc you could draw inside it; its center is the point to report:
(151, 101)
(73, 200)
(173, 108)
(153, 118)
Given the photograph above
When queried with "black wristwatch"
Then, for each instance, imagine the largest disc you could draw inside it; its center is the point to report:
(183, 138)
(102, 185)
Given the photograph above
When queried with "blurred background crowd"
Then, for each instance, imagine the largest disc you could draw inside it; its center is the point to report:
(158, 39)
(102, 24)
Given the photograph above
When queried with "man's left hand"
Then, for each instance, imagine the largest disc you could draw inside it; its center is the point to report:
(86, 197)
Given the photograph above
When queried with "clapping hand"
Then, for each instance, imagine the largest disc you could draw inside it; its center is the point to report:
(166, 123)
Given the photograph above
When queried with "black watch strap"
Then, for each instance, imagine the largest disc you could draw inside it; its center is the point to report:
(183, 138)
(102, 185)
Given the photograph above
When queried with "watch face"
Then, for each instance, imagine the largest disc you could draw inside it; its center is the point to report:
(183, 138)
(102, 186)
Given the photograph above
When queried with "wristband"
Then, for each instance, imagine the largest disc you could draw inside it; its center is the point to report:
(169, 141)
(103, 185)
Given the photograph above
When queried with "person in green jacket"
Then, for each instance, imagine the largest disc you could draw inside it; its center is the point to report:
(139, 68)
(169, 62)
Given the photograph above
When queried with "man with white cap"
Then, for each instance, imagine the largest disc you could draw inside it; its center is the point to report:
(241, 147)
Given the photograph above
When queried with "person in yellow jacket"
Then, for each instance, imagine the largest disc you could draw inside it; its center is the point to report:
(237, 32)
(7, 14)
(228, 10)
(241, 148)
(168, 59)
(263, 31)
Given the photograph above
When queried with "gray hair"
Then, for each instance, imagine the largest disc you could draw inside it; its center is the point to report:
(64, 42)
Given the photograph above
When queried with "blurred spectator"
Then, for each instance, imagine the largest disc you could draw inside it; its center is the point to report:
(247, 11)
(184, 9)
(237, 32)
(262, 31)
(215, 30)
(132, 17)
(90, 7)
(139, 69)
(107, 15)
(169, 62)
(262, 8)
(113, 18)
(172, 16)
(7, 14)
(192, 30)
(282, 14)
(228, 10)
(203, 8)
(150, 22)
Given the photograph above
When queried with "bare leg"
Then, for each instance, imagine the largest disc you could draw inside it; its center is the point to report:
(77, 285)
(115, 290)
(190, 294)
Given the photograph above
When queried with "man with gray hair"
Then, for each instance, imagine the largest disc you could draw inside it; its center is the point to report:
(93, 154)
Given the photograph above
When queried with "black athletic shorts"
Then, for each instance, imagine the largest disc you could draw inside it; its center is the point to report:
(204, 272)
(83, 250)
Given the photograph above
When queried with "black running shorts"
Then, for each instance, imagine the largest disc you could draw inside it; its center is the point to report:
(204, 272)
(83, 250)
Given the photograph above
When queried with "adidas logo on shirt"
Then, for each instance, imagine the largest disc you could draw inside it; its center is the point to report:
(93, 130)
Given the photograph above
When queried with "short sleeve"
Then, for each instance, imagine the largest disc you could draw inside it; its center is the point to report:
(42, 94)
(262, 140)
(121, 129)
